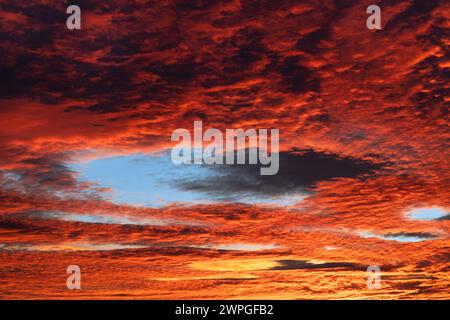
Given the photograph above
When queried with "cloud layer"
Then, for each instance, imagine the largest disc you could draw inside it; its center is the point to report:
(363, 120)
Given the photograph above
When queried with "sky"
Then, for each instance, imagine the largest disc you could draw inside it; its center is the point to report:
(86, 178)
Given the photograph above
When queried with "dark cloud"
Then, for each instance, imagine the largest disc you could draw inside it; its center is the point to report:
(420, 235)
(307, 265)
(298, 78)
(13, 225)
(299, 172)
(47, 171)
(418, 12)
(446, 217)
(194, 5)
(303, 264)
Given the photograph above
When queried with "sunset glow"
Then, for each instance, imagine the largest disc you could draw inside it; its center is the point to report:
(86, 176)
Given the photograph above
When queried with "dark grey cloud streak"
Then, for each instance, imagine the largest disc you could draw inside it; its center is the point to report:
(299, 172)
